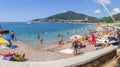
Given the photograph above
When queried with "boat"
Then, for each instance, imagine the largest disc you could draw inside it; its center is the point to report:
(29, 22)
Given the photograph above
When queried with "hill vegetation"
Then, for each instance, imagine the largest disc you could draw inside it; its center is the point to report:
(108, 19)
(68, 16)
(71, 16)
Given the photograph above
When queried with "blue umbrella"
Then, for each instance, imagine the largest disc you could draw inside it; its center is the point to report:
(8, 38)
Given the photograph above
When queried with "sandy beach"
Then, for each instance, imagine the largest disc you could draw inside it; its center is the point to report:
(36, 54)
(43, 54)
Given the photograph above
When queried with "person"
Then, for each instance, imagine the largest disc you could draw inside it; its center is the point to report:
(1, 33)
(79, 44)
(105, 44)
(15, 39)
(111, 37)
(12, 35)
(117, 33)
(75, 45)
(6, 53)
(41, 41)
(61, 42)
(93, 40)
(18, 57)
(38, 37)
(67, 32)
(59, 35)
(13, 56)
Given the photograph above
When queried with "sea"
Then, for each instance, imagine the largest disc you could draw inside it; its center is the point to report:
(48, 31)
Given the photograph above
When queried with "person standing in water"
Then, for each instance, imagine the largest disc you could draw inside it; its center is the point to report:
(41, 41)
(12, 35)
(38, 36)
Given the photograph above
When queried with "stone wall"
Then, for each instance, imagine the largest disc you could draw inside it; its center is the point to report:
(99, 61)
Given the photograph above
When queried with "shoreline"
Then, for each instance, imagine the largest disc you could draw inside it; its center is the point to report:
(36, 53)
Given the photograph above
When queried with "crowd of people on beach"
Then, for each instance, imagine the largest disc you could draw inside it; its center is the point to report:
(100, 39)
(7, 42)
(96, 37)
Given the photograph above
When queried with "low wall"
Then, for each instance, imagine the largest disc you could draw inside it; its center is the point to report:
(89, 59)
(99, 61)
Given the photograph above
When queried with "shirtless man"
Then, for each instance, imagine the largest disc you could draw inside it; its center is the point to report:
(75, 45)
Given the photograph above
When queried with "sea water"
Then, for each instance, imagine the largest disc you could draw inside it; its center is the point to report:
(48, 31)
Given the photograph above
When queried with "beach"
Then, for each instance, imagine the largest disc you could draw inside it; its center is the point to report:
(36, 53)
(40, 53)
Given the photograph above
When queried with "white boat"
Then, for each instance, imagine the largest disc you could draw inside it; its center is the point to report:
(29, 22)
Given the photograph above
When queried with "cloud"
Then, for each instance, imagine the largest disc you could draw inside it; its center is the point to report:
(97, 11)
(108, 2)
(115, 11)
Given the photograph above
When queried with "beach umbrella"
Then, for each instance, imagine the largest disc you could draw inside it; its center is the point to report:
(3, 41)
(7, 38)
(79, 37)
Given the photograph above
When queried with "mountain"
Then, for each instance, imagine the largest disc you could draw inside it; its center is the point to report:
(108, 19)
(68, 16)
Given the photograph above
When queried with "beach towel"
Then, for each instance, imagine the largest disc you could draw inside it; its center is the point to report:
(3, 46)
(68, 51)
(13, 46)
(1, 57)
(7, 58)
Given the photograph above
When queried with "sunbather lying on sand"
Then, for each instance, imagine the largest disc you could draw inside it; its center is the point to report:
(18, 57)
(6, 53)
(105, 44)
(14, 56)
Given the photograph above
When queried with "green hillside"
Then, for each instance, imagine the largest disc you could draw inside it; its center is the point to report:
(68, 16)
(108, 19)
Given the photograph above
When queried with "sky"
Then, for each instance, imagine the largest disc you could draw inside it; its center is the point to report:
(26, 10)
